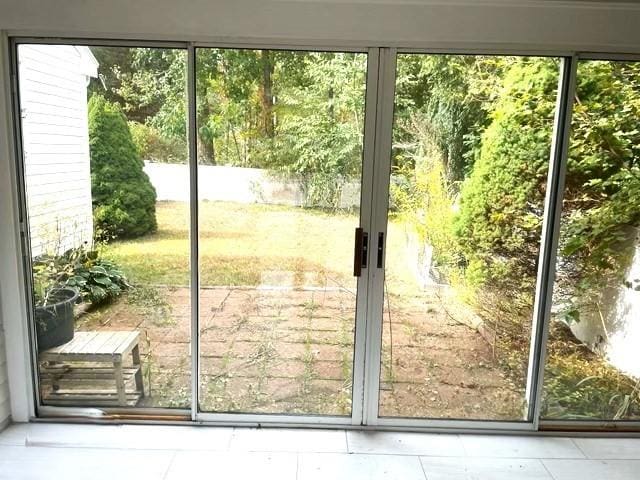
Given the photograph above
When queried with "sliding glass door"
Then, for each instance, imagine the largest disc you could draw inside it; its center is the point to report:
(280, 181)
(243, 299)
(461, 234)
(592, 372)
(104, 167)
(365, 238)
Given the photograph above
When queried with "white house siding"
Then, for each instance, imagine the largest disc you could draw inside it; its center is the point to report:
(53, 101)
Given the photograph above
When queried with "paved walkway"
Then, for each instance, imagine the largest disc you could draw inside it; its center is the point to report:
(291, 351)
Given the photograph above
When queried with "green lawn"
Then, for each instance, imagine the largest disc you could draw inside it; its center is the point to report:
(245, 245)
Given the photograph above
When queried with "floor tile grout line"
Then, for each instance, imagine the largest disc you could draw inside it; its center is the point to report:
(166, 472)
(546, 469)
(579, 448)
(346, 440)
(424, 472)
(297, 465)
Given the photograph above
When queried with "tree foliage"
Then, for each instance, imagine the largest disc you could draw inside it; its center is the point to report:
(123, 197)
(149, 86)
(502, 200)
(319, 136)
(452, 96)
(294, 113)
(603, 182)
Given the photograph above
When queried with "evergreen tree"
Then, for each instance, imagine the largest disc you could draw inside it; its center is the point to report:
(123, 197)
(502, 200)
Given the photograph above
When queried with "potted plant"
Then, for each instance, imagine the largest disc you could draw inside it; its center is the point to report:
(61, 281)
(55, 318)
(54, 302)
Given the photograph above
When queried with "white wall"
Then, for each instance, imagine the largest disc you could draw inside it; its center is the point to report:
(547, 25)
(53, 106)
(235, 184)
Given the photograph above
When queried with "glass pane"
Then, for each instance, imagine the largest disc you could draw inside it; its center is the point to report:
(110, 250)
(279, 171)
(471, 144)
(593, 368)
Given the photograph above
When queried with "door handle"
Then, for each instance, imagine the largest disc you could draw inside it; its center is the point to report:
(380, 252)
(360, 251)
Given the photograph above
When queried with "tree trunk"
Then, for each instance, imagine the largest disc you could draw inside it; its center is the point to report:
(206, 154)
(268, 126)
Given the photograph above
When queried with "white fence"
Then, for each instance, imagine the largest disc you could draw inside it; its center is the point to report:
(235, 184)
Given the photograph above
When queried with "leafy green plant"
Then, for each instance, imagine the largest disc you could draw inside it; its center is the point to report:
(123, 197)
(96, 278)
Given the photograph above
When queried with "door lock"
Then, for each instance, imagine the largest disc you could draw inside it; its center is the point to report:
(360, 251)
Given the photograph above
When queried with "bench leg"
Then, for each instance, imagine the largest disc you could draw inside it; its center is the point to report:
(120, 388)
(136, 362)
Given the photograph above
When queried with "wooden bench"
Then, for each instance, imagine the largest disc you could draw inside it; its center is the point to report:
(84, 370)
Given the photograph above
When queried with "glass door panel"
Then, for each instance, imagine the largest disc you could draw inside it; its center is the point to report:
(471, 146)
(279, 180)
(105, 171)
(593, 368)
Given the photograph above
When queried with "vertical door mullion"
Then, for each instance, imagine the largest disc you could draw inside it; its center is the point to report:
(380, 202)
(366, 198)
(193, 230)
(550, 234)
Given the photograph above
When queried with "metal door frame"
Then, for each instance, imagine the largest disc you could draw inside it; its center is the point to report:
(379, 102)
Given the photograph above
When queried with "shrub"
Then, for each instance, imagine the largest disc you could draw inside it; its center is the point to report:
(502, 201)
(123, 197)
(501, 204)
(422, 197)
(153, 146)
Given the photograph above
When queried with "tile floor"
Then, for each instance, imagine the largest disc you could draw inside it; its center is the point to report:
(70, 452)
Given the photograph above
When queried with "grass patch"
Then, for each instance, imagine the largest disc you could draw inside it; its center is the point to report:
(249, 245)
(240, 243)
(581, 385)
